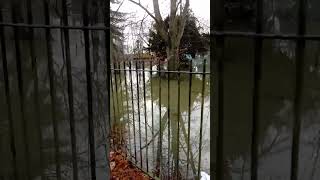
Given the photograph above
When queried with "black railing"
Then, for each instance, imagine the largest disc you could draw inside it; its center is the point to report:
(154, 110)
(67, 163)
(156, 126)
(218, 37)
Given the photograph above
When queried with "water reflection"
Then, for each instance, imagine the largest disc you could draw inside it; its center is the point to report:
(47, 167)
(150, 131)
(276, 115)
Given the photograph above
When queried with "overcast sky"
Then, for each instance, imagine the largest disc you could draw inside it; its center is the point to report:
(201, 9)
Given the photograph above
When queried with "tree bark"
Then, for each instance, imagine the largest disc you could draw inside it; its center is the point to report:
(173, 58)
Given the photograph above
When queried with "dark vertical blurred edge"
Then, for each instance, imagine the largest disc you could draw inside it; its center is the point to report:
(298, 92)
(52, 87)
(108, 80)
(92, 147)
(216, 90)
(15, 7)
(256, 89)
(70, 89)
(8, 98)
(35, 84)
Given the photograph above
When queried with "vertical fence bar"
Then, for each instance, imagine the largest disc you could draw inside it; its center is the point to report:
(168, 75)
(35, 84)
(213, 96)
(128, 112)
(113, 103)
(133, 120)
(201, 118)
(121, 91)
(160, 129)
(121, 100)
(116, 92)
(108, 78)
(178, 130)
(117, 115)
(139, 120)
(14, 9)
(70, 91)
(298, 89)
(52, 89)
(145, 113)
(189, 117)
(8, 98)
(256, 89)
(152, 119)
(217, 99)
(89, 91)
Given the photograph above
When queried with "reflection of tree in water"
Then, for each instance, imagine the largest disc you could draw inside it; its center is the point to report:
(275, 109)
(276, 103)
(46, 126)
(171, 112)
(32, 126)
(80, 102)
(276, 94)
(238, 99)
(122, 107)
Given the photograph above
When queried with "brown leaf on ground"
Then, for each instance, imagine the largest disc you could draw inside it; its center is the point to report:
(122, 169)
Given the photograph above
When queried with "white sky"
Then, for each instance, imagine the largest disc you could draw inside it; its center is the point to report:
(200, 8)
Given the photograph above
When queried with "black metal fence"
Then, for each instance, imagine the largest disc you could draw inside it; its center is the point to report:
(155, 108)
(46, 112)
(219, 37)
(54, 103)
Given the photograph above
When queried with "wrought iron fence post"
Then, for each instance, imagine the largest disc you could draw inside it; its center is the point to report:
(70, 90)
(8, 99)
(217, 89)
(201, 114)
(108, 78)
(256, 90)
(298, 91)
(89, 91)
(19, 60)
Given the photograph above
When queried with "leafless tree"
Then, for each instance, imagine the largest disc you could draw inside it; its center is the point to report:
(173, 34)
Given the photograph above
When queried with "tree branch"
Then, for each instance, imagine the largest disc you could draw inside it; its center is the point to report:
(157, 17)
(173, 8)
(157, 10)
(118, 9)
(160, 24)
(186, 8)
(178, 4)
(173, 17)
(183, 19)
(144, 8)
(141, 30)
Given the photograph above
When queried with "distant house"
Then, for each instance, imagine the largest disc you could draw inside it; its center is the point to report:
(143, 56)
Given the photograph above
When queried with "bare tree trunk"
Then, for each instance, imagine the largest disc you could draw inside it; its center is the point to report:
(172, 35)
(173, 61)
